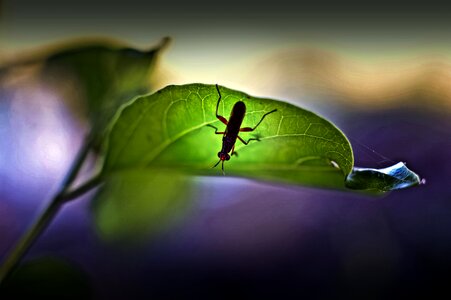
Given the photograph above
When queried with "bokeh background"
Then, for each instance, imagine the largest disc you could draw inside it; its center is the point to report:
(381, 72)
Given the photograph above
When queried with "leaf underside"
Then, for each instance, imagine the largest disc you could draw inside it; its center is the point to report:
(169, 129)
(135, 205)
(157, 141)
(106, 76)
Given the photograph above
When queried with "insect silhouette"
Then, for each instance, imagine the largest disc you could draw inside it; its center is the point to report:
(233, 128)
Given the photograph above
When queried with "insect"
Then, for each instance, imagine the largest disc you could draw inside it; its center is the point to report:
(233, 128)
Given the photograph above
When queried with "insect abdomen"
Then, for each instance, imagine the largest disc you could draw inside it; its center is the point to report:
(236, 118)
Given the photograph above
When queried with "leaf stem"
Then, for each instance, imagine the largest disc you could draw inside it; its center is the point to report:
(82, 189)
(77, 164)
(28, 239)
(62, 196)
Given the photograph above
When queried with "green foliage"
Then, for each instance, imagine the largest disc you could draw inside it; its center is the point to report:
(168, 129)
(158, 140)
(106, 75)
(137, 204)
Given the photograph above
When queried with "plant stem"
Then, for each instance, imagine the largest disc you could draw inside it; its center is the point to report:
(77, 164)
(82, 189)
(25, 243)
(28, 239)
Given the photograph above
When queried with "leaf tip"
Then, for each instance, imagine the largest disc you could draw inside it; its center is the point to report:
(165, 42)
(387, 179)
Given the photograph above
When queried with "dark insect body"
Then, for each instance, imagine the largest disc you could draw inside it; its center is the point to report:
(230, 135)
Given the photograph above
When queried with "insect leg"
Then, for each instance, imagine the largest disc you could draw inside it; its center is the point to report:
(221, 118)
(248, 129)
(233, 151)
(244, 142)
(216, 131)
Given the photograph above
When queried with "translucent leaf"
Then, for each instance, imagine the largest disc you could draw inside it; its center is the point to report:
(105, 74)
(158, 140)
(137, 205)
(169, 129)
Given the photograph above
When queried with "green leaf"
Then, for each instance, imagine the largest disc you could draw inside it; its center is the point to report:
(106, 76)
(137, 205)
(158, 140)
(387, 179)
(168, 129)
(46, 278)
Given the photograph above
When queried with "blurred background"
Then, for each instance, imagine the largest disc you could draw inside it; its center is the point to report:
(380, 72)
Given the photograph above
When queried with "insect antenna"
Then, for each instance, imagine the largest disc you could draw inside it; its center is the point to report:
(223, 173)
(216, 164)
